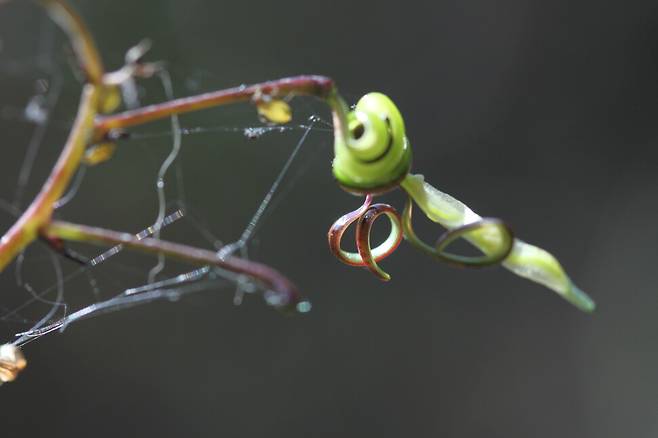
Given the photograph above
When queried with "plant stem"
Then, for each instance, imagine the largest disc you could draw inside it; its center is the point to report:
(318, 86)
(282, 292)
(79, 36)
(26, 228)
(36, 220)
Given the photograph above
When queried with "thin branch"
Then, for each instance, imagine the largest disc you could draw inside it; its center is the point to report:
(318, 86)
(25, 230)
(281, 293)
(83, 43)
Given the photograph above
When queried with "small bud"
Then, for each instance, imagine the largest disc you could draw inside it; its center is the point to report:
(99, 153)
(274, 110)
(110, 99)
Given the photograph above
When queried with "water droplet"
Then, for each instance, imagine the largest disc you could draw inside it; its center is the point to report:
(117, 134)
(304, 306)
(273, 298)
(254, 133)
(35, 110)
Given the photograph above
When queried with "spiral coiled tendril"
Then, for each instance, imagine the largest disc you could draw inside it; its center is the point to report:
(365, 217)
(497, 232)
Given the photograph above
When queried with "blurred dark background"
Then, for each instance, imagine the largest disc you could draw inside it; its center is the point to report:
(544, 113)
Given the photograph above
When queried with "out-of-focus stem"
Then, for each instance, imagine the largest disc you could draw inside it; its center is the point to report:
(282, 292)
(79, 36)
(26, 229)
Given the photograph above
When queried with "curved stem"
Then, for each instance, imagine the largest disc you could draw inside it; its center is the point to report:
(26, 228)
(282, 293)
(79, 36)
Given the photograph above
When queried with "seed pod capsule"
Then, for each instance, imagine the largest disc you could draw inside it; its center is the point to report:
(375, 156)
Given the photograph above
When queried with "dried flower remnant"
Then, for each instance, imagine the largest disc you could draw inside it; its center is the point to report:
(12, 362)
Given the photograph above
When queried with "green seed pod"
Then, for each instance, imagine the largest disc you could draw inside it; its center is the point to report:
(375, 155)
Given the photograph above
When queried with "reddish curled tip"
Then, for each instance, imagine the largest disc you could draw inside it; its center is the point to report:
(335, 234)
(363, 229)
(365, 217)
